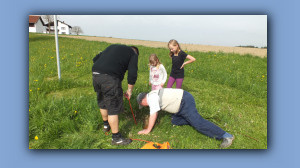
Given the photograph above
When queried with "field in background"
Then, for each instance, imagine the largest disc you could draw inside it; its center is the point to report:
(230, 90)
(190, 47)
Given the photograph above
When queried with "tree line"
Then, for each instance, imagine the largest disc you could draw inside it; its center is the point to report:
(251, 46)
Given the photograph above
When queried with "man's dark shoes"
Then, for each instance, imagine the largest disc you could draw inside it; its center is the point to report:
(106, 128)
(227, 142)
(120, 140)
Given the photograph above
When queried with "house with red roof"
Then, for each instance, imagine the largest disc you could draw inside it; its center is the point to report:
(36, 24)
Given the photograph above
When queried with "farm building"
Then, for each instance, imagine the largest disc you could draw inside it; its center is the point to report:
(36, 24)
(62, 27)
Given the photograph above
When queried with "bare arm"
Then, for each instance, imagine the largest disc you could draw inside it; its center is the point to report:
(152, 120)
(129, 90)
(191, 59)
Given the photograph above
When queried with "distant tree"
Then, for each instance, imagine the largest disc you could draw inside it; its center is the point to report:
(48, 19)
(77, 30)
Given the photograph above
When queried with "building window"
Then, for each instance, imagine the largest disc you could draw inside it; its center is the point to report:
(31, 24)
(63, 28)
(63, 32)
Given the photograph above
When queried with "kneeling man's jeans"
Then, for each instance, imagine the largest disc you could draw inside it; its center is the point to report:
(188, 115)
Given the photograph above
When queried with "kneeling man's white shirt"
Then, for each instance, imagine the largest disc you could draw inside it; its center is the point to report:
(153, 102)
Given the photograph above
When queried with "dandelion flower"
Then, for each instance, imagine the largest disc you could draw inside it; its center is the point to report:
(38, 88)
(36, 137)
(75, 112)
(30, 90)
(263, 76)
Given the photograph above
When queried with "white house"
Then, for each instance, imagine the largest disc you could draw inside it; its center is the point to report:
(62, 27)
(36, 24)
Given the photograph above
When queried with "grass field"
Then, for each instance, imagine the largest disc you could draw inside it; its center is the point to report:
(230, 90)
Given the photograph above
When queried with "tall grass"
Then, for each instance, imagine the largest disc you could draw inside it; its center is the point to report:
(230, 90)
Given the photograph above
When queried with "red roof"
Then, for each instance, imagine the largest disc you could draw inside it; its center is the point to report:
(34, 19)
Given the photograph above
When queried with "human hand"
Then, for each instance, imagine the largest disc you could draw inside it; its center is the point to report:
(145, 131)
(182, 66)
(162, 84)
(127, 94)
(150, 83)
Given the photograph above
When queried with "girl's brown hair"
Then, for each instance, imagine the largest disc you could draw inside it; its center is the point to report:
(174, 43)
(153, 58)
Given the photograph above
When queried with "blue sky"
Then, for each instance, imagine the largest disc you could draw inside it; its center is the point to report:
(217, 30)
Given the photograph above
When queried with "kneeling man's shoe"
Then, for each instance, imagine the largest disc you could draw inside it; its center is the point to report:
(227, 142)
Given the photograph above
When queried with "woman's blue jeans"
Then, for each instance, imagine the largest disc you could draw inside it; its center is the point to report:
(188, 115)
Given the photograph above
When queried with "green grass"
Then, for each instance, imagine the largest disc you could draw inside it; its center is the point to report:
(230, 90)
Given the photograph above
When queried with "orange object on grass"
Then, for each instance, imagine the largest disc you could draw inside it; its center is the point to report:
(155, 145)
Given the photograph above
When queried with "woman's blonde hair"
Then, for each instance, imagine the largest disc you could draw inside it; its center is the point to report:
(153, 58)
(174, 43)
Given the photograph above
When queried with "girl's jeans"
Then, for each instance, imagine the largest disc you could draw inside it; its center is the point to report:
(188, 115)
(172, 80)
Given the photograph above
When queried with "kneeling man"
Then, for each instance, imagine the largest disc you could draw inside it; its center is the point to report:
(183, 108)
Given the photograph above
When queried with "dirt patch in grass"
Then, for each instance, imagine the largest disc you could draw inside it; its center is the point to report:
(189, 47)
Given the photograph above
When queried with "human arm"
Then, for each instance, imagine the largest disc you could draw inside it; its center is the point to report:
(164, 72)
(97, 57)
(128, 93)
(152, 120)
(132, 70)
(150, 77)
(191, 59)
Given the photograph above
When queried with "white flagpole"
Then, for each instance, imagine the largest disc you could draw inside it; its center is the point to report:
(57, 48)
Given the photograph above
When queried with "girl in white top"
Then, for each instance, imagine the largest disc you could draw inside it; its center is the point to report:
(158, 74)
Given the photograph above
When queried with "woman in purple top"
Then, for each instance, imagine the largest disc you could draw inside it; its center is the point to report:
(178, 56)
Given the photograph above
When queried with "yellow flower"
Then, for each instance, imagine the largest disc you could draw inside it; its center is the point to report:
(71, 54)
(38, 88)
(29, 109)
(215, 55)
(30, 90)
(263, 76)
(75, 112)
(36, 137)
